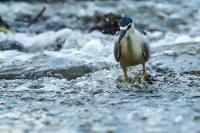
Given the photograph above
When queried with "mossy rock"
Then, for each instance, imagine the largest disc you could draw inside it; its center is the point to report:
(67, 73)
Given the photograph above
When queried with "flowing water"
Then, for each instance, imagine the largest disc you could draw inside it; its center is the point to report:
(59, 76)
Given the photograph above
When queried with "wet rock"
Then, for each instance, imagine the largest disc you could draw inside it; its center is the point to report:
(197, 96)
(194, 72)
(24, 23)
(3, 23)
(106, 23)
(174, 22)
(56, 46)
(68, 73)
(9, 75)
(55, 24)
(45, 24)
(196, 118)
(23, 17)
(11, 45)
(36, 86)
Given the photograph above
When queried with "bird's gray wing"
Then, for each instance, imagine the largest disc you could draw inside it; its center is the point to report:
(145, 44)
(117, 46)
(141, 31)
(117, 50)
(146, 51)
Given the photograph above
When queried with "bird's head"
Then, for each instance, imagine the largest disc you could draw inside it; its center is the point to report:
(125, 24)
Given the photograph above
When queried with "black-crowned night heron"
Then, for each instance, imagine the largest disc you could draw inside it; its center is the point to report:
(131, 47)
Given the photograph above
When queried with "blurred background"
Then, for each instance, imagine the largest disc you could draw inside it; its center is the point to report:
(58, 73)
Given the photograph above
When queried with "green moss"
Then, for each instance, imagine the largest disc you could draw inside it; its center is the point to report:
(3, 30)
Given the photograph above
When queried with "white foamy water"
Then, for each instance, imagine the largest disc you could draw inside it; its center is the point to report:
(80, 47)
(87, 47)
(175, 38)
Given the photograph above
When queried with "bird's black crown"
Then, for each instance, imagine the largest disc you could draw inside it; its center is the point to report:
(125, 21)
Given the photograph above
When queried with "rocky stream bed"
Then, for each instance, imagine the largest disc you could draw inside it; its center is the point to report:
(58, 75)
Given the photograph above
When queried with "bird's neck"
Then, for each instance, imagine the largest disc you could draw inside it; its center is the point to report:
(130, 34)
(131, 30)
(131, 44)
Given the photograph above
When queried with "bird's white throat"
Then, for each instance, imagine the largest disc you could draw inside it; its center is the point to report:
(123, 27)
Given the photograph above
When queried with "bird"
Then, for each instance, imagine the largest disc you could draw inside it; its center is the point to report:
(131, 47)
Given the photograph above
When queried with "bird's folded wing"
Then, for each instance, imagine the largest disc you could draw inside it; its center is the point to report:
(117, 51)
(146, 51)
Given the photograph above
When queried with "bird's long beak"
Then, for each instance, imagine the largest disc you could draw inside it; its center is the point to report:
(122, 34)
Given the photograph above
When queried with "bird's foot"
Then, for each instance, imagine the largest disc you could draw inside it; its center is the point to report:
(126, 77)
(142, 77)
(144, 74)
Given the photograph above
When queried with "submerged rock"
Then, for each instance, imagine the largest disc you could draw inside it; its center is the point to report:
(11, 45)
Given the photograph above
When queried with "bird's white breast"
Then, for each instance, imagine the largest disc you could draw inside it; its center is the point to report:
(131, 52)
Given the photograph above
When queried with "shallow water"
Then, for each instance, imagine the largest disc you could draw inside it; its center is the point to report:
(66, 79)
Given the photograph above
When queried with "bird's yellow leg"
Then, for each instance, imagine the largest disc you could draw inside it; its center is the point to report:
(126, 76)
(125, 73)
(144, 71)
